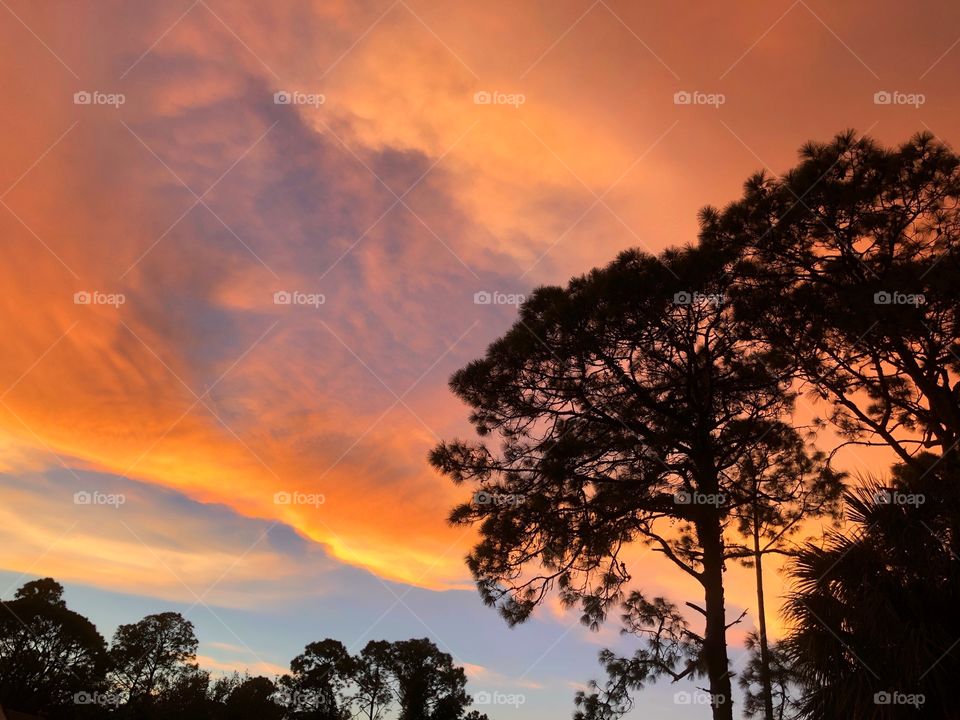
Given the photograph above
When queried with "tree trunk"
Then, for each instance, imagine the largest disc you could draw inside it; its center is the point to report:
(715, 637)
(762, 626)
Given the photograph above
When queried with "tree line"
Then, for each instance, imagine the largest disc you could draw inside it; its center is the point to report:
(657, 401)
(54, 662)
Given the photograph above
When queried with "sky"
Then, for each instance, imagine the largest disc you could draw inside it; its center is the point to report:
(246, 244)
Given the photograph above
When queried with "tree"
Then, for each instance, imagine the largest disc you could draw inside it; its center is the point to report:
(427, 683)
(769, 685)
(849, 265)
(317, 685)
(788, 486)
(253, 698)
(186, 698)
(874, 616)
(626, 406)
(48, 653)
(371, 679)
(149, 657)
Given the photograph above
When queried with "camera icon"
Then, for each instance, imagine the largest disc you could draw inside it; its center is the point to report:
(282, 297)
(82, 298)
(682, 298)
(482, 698)
(682, 698)
(83, 698)
(882, 298)
(482, 97)
(482, 298)
(82, 497)
(482, 498)
(282, 498)
(882, 97)
(882, 698)
(682, 498)
(682, 97)
(82, 97)
(282, 97)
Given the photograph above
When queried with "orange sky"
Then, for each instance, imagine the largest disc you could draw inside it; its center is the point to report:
(397, 199)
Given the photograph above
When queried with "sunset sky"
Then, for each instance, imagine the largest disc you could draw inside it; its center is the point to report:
(387, 193)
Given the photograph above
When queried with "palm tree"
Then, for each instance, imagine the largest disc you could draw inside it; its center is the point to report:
(875, 627)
